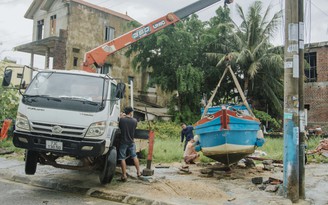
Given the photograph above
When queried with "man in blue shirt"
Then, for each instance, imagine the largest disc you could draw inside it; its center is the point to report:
(187, 131)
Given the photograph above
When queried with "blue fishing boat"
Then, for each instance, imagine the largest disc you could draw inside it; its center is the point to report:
(228, 133)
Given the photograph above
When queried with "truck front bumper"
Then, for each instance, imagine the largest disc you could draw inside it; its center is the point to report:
(70, 146)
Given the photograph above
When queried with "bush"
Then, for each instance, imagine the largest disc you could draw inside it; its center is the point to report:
(8, 103)
(162, 129)
(263, 117)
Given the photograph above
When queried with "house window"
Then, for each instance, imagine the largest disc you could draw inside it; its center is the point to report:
(40, 28)
(76, 50)
(311, 71)
(75, 61)
(53, 25)
(109, 33)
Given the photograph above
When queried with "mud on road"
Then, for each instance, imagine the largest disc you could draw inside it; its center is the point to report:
(195, 186)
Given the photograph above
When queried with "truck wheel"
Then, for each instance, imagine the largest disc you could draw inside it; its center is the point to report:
(107, 173)
(31, 160)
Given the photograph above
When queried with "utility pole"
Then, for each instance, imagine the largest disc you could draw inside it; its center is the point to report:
(301, 100)
(291, 102)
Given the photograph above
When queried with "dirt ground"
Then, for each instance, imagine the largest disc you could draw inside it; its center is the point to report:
(194, 185)
(170, 185)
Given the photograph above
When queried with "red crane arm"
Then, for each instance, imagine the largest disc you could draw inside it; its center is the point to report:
(97, 56)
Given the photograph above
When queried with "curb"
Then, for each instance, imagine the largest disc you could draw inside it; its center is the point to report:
(123, 198)
(43, 183)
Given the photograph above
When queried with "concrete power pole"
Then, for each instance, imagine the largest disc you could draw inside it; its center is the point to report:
(291, 102)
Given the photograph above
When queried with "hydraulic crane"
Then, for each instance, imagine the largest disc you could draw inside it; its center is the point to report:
(96, 57)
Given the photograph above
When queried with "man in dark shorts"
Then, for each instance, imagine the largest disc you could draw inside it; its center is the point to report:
(128, 125)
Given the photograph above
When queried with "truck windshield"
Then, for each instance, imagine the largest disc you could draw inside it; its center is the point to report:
(65, 88)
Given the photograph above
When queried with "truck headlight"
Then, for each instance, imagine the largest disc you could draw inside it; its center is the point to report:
(22, 122)
(96, 129)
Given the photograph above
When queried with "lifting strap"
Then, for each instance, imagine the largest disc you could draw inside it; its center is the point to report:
(241, 93)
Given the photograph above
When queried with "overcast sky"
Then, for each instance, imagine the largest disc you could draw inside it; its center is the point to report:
(16, 30)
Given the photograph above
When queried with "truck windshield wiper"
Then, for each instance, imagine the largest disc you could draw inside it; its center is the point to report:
(43, 96)
(81, 99)
(26, 95)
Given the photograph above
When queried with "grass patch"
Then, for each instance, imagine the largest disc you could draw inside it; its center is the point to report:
(169, 150)
(273, 147)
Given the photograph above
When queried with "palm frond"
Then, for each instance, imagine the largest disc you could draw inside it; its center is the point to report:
(252, 69)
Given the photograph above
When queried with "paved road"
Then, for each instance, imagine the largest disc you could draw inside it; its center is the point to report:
(22, 194)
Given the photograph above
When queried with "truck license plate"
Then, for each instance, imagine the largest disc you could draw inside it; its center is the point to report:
(55, 145)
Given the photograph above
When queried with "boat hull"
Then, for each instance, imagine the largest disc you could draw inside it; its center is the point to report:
(227, 136)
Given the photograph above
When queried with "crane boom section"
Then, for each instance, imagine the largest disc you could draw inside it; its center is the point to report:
(193, 8)
(97, 57)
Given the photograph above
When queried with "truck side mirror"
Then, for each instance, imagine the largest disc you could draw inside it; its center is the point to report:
(120, 90)
(7, 77)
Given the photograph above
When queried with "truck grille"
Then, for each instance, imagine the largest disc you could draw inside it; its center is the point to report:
(61, 130)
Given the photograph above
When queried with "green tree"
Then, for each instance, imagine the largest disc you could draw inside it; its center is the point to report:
(175, 58)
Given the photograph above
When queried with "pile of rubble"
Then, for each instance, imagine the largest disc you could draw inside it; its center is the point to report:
(321, 149)
(270, 185)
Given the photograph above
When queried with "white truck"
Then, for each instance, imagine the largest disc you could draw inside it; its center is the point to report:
(69, 113)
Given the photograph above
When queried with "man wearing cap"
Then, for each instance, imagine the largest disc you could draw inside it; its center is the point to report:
(128, 125)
